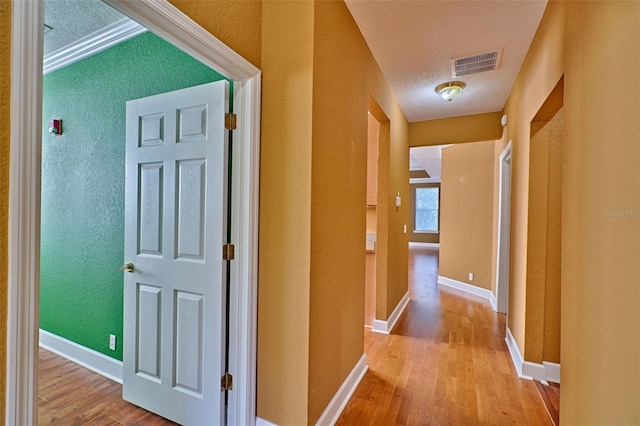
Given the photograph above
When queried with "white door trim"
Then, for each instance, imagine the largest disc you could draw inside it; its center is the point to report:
(24, 195)
(504, 234)
(24, 213)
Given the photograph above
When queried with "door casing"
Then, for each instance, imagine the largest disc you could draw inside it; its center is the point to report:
(504, 233)
(170, 23)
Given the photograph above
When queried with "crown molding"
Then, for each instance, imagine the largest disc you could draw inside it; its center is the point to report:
(91, 44)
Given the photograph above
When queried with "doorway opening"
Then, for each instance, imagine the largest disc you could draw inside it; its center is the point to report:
(373, 138)
(378, 164)
(24, 239)
(544, 235)
(544, 247)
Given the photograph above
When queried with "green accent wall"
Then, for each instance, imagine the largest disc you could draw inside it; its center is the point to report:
(83, 179)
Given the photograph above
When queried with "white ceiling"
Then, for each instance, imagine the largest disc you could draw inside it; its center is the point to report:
(427, 158)
(74, 19)
(415, 41)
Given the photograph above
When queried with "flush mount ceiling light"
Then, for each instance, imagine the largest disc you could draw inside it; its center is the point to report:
(450, 90)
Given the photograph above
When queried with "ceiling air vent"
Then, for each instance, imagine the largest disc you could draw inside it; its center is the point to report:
(475, 64)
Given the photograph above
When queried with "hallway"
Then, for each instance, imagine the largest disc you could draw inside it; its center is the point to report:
(445, 363)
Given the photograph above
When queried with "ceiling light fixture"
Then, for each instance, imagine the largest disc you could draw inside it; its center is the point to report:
(450, 90)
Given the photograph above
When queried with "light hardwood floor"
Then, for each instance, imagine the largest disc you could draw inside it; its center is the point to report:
(445, 363)
(72, 395)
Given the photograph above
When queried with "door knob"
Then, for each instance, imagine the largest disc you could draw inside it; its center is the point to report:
(127, 267)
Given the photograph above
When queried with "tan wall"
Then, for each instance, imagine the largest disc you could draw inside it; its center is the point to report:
(285, 211)
(590, 43)
(553, 273)
(466, 212)
(398, 269)
(373, 131)
(544, 242)
(382, 211)
(601, 250)
(5, 89)
(345, 74)
(468, 128)
(238, 24)
(540, 72)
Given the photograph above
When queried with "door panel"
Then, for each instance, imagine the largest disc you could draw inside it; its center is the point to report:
(176, 169)
(150, 213)
(191, 209)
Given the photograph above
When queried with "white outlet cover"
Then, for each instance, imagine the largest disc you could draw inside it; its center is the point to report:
(470, 276)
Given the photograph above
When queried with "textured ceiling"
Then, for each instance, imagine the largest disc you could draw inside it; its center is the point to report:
(73, 19)
(415, 41)
(412, 41)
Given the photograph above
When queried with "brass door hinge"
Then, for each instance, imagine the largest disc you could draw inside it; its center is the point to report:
(228, 252)
(230, 121)
(226, 383)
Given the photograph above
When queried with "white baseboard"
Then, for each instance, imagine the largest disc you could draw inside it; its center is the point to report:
(340, 399)
(385, 327)
(471, 289)
(544, 373)
(516, 356)
(426, 245)
(552, 371)
(263, 422)
(95, 361)
(533, 371)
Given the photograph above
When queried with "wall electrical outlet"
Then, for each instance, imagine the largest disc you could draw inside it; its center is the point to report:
(112, 342)
(470, 276)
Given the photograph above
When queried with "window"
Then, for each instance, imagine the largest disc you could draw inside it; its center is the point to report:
(427, 200)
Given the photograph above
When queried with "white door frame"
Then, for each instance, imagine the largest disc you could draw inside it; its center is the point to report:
(171, 24)
(504, 231)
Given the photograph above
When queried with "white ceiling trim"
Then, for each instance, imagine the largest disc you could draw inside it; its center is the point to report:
(91, 44)
(424, 180)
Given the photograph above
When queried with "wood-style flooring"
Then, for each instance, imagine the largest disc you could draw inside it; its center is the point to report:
(72, 395)
(551, 396)
(445, 363)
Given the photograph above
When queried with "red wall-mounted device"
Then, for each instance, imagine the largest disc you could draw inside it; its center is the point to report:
(56, 127)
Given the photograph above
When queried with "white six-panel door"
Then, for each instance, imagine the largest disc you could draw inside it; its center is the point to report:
(176, 169)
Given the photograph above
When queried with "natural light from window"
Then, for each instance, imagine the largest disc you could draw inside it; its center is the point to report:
(427, 200)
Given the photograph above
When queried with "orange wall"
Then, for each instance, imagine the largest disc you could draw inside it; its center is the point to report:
(285, 211)
(594, 44)
(344, 75)
(238, 24)
(601, 261)
(5, 89)
(468, 128)
(540, 72)
(466, 212)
